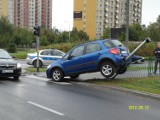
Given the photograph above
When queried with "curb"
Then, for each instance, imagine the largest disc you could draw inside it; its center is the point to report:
(133, 92)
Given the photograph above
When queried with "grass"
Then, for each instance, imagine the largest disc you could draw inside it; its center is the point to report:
(135, 68)
(145, 84)
(19, 54)
(31, 69)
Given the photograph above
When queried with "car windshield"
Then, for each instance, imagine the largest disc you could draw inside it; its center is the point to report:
(4, 55)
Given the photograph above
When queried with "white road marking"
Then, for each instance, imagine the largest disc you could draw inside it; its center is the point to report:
(37, 77)
(47, 79)
(45, 108)
(61, 83)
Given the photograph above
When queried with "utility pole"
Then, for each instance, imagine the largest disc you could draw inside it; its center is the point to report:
(127, 22)
(37, 34)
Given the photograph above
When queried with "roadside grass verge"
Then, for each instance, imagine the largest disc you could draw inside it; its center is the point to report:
(145, 84)
(19, 54)
(31, 70)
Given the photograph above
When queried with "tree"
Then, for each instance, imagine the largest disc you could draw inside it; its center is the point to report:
(135, 31)
(106, 33)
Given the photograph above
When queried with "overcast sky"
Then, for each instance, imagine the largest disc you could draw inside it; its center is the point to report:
(63, 13)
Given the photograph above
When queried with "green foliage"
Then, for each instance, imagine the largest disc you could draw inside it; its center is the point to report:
(63, 46)
(106, 33)
(20, 54)
(23, 37)
(11, 47)
(146, 50)
(135, 31)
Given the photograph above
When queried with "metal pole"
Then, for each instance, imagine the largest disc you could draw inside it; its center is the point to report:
(127, 22)
(69, 34)
(147, 40)
(37, 42)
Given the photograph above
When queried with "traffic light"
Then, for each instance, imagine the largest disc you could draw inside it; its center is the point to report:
(37, 31)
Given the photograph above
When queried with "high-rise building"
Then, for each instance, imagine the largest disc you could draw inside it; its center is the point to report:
(93, 16)
(3, 8)
(28, 13)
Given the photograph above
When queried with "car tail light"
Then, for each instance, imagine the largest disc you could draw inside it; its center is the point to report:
(114, 51)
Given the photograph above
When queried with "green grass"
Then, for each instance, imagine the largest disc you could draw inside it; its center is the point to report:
(146, 84)
(19, 54)
(135, 68)
(31, 69)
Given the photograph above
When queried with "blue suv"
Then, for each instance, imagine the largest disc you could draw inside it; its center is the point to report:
(107, 56)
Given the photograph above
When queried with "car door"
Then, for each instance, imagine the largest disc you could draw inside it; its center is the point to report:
(45, 55)
(92, 54)
(73, 64)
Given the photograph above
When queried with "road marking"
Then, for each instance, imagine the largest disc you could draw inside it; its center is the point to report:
(47, 79)
(61, 83)
(45, 108)
(37, 77)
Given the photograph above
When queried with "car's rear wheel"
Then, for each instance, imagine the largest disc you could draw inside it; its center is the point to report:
(108, 70)
(74, 76)
(35, 63)
(57, 75)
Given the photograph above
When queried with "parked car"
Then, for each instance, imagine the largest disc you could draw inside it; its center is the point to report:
(137, 59)
(46, 57)
(107, 56)
(9, 67)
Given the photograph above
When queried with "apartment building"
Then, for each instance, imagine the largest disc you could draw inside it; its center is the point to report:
(28, 13)
(93, 16)
(3, 8)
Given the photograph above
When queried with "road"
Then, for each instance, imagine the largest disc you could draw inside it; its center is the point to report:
(37, 98)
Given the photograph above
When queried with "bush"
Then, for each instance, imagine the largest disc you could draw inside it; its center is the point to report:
(11, 48)
(146, 50)
(63, 46)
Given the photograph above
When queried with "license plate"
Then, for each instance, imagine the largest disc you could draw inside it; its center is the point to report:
(7, 71)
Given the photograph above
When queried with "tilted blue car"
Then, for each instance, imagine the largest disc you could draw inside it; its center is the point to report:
(107, 56)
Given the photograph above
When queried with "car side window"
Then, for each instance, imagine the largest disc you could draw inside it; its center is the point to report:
(45, 52)
(56, 53)
(78, 51)
(93, 48)
(108, 44)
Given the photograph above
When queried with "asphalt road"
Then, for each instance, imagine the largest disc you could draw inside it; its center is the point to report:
(37, 98)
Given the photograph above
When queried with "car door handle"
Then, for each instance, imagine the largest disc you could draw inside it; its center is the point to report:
(99, 53)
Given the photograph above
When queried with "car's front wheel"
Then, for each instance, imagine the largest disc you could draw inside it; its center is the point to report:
(57, 75)
(108, 70)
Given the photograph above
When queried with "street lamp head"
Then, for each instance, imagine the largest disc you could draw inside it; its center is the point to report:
(147, 40)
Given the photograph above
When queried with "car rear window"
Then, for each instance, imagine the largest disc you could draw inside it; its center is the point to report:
(112, 43)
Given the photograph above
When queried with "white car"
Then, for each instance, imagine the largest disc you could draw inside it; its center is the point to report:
(46, 57)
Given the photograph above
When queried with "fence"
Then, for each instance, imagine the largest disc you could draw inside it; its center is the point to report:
(144, 69)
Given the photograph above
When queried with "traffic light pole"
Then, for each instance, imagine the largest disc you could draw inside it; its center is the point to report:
(37, 43)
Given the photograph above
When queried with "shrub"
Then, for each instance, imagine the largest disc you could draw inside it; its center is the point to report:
(11, 48)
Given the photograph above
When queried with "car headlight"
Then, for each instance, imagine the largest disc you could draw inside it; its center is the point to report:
(18, 65)
(48, 66)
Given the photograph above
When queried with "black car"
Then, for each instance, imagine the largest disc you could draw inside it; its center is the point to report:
(9, 67)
